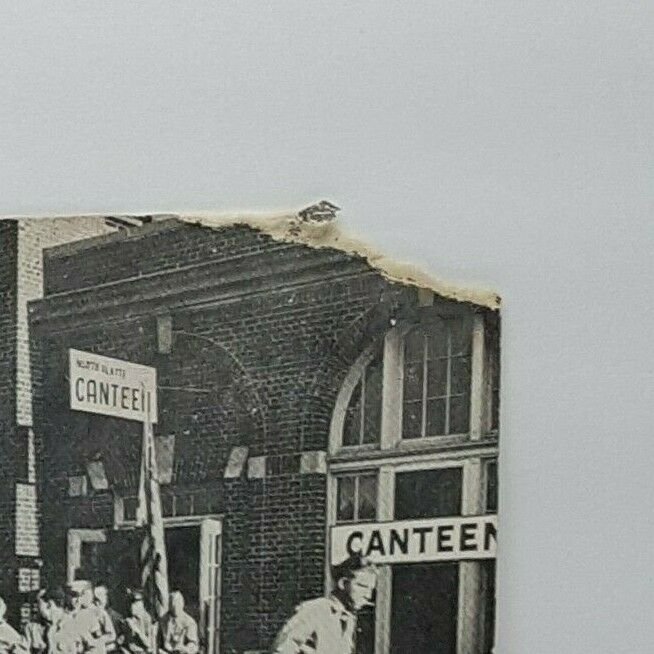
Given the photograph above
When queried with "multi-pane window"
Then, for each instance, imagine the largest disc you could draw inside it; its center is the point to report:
(363, 415)
(356, 497)
(436, 387)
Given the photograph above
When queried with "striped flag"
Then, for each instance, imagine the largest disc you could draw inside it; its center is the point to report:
(154, 566)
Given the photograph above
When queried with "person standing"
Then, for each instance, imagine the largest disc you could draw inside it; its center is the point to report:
(34, 631)
(11, 642)
(95, 628)
(179, 631)
(140, 630)
(327, 625)
(110, 621)
(61, 635)
(81, 618)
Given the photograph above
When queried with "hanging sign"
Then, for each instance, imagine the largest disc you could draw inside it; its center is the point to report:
(112, 387)
(417, 541)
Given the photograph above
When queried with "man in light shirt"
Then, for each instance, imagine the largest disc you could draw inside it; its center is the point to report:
(327, 625)
(11, 642)
(35, 630)
(61, 634)
(179, 631)
(140, 630)
(109, 621)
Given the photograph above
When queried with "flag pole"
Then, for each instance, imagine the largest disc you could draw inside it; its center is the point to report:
(154, 561)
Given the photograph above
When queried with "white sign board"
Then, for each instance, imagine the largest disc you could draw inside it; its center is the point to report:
(417, 541)
(112, 387)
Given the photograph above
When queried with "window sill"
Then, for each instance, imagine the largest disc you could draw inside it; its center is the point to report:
(416, 446)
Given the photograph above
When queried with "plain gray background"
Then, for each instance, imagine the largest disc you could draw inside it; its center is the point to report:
(507, 144)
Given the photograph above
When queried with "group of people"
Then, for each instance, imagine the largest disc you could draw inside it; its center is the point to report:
(80, 621)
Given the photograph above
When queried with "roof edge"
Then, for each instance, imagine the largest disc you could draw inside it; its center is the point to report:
(290, 227)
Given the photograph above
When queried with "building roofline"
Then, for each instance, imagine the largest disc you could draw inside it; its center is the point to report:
(290, 227)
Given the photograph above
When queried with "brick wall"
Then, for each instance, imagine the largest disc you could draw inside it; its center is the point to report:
(21, 280)
(150, 249)
(8, 428)
(272, 361)
(34, 235)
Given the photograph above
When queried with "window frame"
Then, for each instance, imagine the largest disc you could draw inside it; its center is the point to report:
(480, 397)
(351, 381)
(359, 377)
(356, 475)
(423, 328)
(470, 451)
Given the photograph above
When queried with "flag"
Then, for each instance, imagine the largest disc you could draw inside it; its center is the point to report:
(154, 565)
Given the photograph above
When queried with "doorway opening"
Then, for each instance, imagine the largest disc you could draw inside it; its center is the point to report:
(194, 553)
(183, 552)
(424, 608)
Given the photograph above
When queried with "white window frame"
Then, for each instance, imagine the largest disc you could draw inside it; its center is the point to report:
(75, 539)
(423, 330)
(210, 526)
(395, 455)
(392, 400)
(356, 474)
(210, 583)
(352, 378)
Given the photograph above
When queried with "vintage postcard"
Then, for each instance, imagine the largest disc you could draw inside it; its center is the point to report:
(239, 435)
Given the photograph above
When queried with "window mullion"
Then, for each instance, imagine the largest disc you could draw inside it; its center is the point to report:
(477, 378)
(392, 390)
(448, 379)
(356, 498)
(362, 417)
(385, 511)
(425, 370)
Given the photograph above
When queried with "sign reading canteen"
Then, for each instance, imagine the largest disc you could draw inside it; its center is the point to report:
(417, 541)
(112, 387)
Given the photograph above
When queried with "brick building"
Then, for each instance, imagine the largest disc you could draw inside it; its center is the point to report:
(21, 280)
(298, 389)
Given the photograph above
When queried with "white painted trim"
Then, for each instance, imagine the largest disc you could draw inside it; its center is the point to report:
(478, 369)
(392, 385)
(352, 378)
(168, 521)
(211, 529)
(177, 521)
(421, 460)
(395, 456)
(469, 613)
(430, 464)
(385, 511)
(331, 520)
(75, 538)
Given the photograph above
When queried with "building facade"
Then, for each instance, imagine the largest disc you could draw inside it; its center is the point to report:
(21, 281)
(299, 390)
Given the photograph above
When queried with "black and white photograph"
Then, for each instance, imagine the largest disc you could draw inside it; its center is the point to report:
(326, 328)
(233, 436)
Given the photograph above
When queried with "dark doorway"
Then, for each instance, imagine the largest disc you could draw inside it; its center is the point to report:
(124, 571)
(424, 608)
(425, 599)
(365, 632)
(183, 551)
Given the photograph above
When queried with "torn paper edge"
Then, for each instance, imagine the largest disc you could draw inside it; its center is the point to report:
(290, 227)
